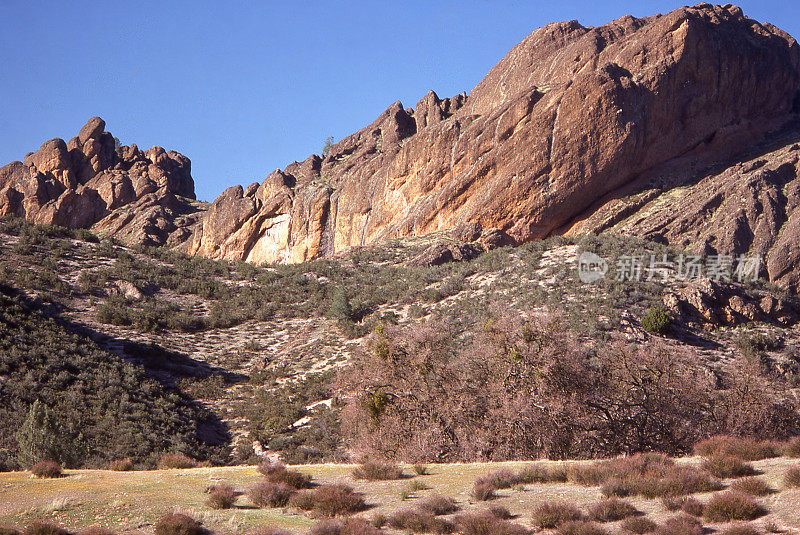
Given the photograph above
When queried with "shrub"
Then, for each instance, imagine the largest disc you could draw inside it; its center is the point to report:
(268, 530)
(741, 529)
(550, 515)
(419, 522)
(500, 479)
(693, 506)
(498, 511)
(656, 321)
(486, 524)
(96, 531)
(611, 510)
(221, 497)
(792, 477)
(338, 499)
(638, 525)
(176, 460)
(727, 466)
(588, 475)
(792, 448)
(303, 500)
(746, 449)
(732, 505)
(8, 531)
(178, 524)
(482, 491)
(681, 525)
(421, 469)
(534, 473)
(437, 504)
(752, 485)
(46, 469)
(121, 465)
(346, 526)
(278, 473)
(581, 527)
(268, 494)
(44, 528)
(372, 471)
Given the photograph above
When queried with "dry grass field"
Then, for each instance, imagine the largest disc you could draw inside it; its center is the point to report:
(132, 502)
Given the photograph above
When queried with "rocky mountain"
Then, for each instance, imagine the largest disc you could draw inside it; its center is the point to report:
(142, 197)
(680, 128)
(577, 129)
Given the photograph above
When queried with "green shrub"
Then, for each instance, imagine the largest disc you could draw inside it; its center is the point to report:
(178, 524)
(732, 505)
(305, 500)
(421, 469)
(656, 321)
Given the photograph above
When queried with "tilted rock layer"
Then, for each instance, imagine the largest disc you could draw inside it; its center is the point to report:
(572, 115)
(653, 127)
(93, 182)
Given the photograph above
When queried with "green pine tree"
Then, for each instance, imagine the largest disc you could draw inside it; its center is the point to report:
(40, 437)
(339, 308)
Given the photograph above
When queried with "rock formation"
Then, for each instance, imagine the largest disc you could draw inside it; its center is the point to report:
(572, 122)
(92, 182)
(678, 127)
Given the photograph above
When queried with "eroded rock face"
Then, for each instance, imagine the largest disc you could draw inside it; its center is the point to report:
(570, 116)
(138, 197)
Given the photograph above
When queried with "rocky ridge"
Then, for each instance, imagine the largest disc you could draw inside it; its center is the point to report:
(655, 127)
(139, 197)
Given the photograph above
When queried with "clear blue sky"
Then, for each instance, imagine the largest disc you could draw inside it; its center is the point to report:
(243, 88)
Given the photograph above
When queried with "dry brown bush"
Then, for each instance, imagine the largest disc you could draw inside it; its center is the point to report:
(437, 504)
(792, 477)
(420, 522)
(44, 528)
(373, 471)
(278, 473)
(638, 525)
(221, 497)
(611, 510)
(681, 525)
(337, 499)
(178, 524)
(46, 469)
(581, 527)
(732, 505)
(746, 449)
(345, 526)
(269, 494)
(752, 485)
(121, 465)
(176, 460)
(741, 529)
(488, 524)
(727, 466)
(550, 515)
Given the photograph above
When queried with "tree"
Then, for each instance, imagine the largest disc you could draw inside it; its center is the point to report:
(40, 437)
(326, 148)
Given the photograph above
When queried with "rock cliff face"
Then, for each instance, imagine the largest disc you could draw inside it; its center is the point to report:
(678, 127)
(92, 182)
(570, 117)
